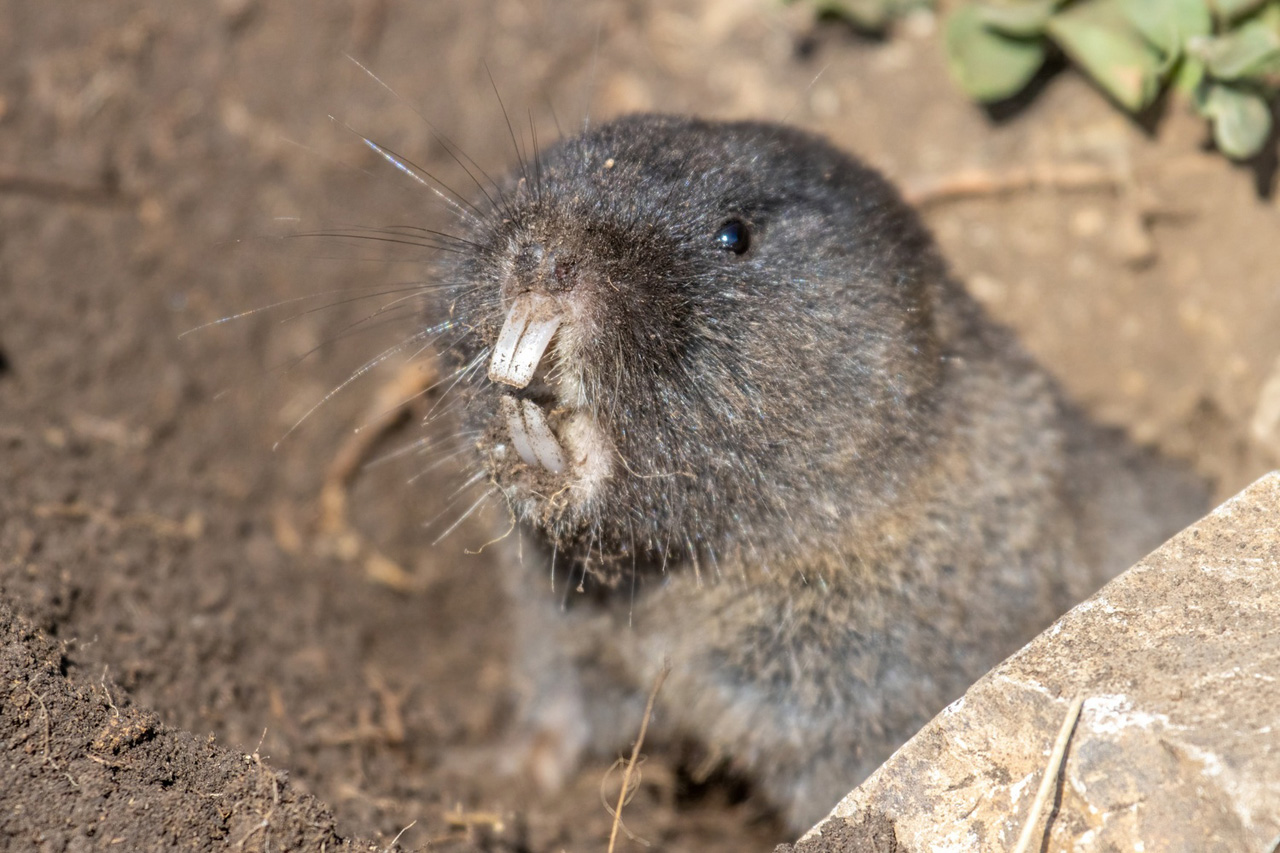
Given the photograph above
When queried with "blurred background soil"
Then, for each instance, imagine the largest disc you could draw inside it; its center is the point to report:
(186, 658)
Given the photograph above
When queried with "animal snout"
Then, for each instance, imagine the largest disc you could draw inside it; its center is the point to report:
(542, 270)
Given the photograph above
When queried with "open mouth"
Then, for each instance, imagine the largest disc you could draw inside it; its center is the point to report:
(527, 331)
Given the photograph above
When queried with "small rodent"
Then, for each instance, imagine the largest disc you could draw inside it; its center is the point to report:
(747, 423)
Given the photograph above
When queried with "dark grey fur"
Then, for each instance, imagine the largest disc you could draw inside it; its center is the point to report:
(838, 492)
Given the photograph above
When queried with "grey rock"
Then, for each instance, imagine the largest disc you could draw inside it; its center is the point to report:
(1177, 747)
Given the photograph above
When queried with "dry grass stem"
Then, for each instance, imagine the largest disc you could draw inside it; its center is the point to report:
(1048, 782)
(635, 752)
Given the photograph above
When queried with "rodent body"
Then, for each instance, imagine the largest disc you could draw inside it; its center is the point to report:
(723, 380)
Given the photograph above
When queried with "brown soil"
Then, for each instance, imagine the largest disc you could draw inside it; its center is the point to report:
(176, 636)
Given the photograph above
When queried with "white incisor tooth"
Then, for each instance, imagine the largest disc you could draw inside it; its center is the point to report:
(531, 435)
(515, 428)
(545, 444)
(530, 324)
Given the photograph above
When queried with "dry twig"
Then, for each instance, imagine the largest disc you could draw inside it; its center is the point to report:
(979, 183)
(1048, 782)
(391, 404)
(635, 752)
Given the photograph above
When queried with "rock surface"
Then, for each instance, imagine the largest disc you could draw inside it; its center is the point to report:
(1178, 744)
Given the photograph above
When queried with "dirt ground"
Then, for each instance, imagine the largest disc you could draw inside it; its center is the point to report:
(187, 662)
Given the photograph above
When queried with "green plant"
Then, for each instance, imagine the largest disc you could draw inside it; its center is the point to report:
(870, 15)
(1224, 53)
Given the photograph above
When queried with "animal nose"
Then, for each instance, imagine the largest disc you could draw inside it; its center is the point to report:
(539, 269)
(564, 272)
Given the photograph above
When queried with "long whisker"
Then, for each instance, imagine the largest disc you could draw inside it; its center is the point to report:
(524, 170)
(374, 238)
(262, 308)
(458, 203)
(381, 358)
(367, 323)
(442, 234)
(437, 462)
(589, 92)
(537, 160)
(453, 150)
(461, 374)
(455, 495)
(406, 292)
(475, 506)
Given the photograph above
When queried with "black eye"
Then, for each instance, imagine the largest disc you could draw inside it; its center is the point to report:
(733, 237)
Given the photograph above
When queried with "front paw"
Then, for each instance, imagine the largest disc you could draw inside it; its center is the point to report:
(549, 744)
(544, 748)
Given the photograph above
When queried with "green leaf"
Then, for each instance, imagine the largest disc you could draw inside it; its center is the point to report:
(1241, 119)
(1251, 50)
(1021, 20)
(866, 14)
(1099, 38)
(989, 66)
(1230, 10)
(1167, 24)
(1189, 74)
